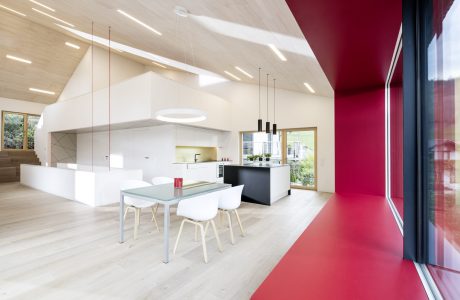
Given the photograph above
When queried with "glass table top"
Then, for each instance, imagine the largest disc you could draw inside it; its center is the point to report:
(167, 192)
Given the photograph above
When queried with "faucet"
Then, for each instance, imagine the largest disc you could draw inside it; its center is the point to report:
(196, 159)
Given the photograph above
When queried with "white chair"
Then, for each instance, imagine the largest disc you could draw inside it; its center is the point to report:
(162, 180)
(137, 204)
(229, 201)
(199, 210)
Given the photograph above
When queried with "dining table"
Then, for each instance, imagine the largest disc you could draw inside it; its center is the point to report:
(167, 195)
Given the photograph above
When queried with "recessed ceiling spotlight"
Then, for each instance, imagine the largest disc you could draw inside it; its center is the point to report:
(232, 75)
(138, 22)
(158, 64)
(18, 59)
(277, 52)
(43, 5)
(72, 45)
(41, 91)
(12, 10)
(52, 17)
(181, 11)
(244, 72)
(309, 87)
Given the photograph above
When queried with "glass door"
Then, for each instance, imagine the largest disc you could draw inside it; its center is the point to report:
(18, 130)
(441, 133)
(300, 154)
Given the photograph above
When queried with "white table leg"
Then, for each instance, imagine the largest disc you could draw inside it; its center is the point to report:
(166, 234)
(122, 219)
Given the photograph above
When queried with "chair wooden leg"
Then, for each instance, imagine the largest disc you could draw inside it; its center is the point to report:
(230, 226)
(178, 236)
(206, 229)
(126, 212)
(220, 218)
(156, 208)
(219, 245)
(137, 220)
(203, 241)
(239, 222)
(155, 219)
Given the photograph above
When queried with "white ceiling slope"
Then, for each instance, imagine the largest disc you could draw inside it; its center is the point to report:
(217, 36)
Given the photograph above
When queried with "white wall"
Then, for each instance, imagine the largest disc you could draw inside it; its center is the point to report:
(13, 105)
(121, 69)
(152, 149)
(294, 110)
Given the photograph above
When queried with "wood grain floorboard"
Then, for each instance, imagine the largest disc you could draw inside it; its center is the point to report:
(52, 248)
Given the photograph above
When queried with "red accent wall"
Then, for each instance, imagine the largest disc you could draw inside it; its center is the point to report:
(360, 142)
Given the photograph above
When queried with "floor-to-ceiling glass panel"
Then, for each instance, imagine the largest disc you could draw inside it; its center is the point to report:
(13, 130)
(301, 156)
(442, 121)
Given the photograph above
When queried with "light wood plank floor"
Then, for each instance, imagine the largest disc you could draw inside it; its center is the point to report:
(52, 248)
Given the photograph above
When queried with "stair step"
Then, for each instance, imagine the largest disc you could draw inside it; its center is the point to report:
(10, 161)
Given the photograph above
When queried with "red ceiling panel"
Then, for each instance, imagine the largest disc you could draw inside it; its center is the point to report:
(353, 40)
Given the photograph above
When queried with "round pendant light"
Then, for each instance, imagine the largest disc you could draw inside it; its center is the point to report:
(181, 115)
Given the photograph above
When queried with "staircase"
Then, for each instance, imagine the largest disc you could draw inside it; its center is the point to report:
(10, 162)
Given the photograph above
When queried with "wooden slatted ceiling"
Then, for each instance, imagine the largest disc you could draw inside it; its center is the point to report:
(186, 39)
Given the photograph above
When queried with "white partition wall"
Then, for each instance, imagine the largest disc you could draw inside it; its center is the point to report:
(91, 188)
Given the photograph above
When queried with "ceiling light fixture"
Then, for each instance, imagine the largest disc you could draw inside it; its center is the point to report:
(244, 72)
(138, 22)
(181, 11)
(309, 87)
(18, 59)
(232, 75)
(181, 115)
(277, 52)
(43, 5)
(41, 91)
(72, 45)
(52, 17)
(158, 64)
(12, 10)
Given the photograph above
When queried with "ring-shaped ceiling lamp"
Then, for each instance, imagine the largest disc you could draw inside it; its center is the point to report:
(180, 115)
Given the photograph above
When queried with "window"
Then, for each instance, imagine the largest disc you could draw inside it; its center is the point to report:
(18, 130)
(296, 147)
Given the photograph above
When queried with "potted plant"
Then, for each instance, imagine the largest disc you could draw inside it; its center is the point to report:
(250, 157)
(268, 156)
(261, 157)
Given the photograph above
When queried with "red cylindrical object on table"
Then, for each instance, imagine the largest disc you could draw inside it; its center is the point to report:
(178, 182)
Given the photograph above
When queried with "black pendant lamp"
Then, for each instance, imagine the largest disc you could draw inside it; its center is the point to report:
(274, 107)
(259, 121)
(267, 124)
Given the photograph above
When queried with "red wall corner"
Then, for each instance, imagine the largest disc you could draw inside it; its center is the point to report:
(360, 142)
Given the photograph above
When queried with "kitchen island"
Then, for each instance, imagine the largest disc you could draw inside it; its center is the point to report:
(263, 184)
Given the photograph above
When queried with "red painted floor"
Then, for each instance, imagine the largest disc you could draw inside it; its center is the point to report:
(352, 250)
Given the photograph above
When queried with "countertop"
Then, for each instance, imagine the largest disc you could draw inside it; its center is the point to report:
(259, 166)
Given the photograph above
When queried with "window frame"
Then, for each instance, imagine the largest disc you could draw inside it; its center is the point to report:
(25, 143)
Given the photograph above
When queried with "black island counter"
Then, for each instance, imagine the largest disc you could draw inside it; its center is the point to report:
(263, 184)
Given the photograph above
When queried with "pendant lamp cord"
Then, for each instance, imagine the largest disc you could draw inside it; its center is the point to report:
(267, 98)
(274, 102)
(259, 93)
